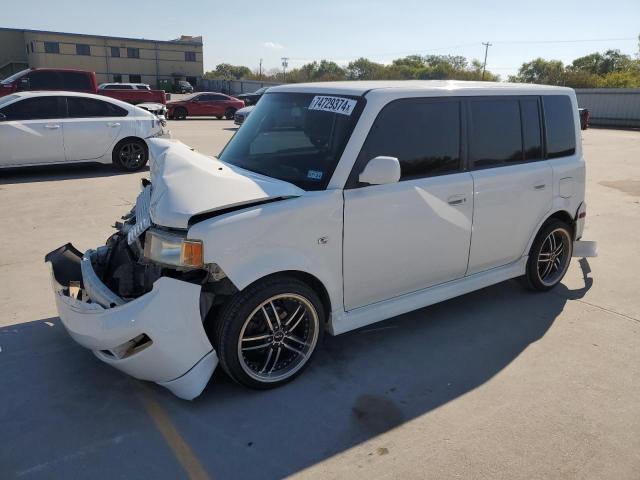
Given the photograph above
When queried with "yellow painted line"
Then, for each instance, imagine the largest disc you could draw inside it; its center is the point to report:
(176, 442)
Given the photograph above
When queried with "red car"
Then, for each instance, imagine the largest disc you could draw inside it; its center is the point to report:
(201, 104)
(73, 81)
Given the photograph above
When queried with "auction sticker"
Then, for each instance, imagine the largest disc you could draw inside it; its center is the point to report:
(333, 104)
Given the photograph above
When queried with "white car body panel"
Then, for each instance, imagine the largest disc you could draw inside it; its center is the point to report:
(405, 236)
(50, 141)
(378, 250)
(31, 142)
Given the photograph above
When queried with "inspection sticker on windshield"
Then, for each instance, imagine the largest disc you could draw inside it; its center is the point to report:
(333, 104)
(314, 175)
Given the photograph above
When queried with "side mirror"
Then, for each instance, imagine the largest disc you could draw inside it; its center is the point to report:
(23, 84)
(381, 170)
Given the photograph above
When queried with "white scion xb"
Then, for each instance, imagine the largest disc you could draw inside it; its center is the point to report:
(335, 206)
(43, 128)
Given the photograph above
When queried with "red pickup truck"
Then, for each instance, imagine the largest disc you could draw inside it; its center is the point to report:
(75, 81)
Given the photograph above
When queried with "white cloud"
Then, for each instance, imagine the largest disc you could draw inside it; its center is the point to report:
(275, 46)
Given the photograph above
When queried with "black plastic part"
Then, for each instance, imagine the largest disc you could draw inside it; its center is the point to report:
(65, 261)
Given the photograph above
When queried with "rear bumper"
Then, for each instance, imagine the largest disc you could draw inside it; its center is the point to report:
(157, 337)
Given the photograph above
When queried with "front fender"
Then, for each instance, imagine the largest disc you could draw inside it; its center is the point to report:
(301, 234)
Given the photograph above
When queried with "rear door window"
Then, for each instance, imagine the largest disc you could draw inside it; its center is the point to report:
(80, 107)
(423, 134)
(559, 127)
(495, 136)
(36, 108)
(76, 81)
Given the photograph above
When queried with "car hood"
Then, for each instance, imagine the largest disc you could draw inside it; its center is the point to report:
(187, 183)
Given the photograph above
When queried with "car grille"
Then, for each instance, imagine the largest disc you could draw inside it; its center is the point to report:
(143, 215)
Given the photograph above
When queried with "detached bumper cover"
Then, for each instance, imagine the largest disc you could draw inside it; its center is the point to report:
(175, 351)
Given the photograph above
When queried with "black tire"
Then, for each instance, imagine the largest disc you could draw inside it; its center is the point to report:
(130, 154)
(241, 316)
(230, 113)
(180, 113)
(541, 257)
(219, 117)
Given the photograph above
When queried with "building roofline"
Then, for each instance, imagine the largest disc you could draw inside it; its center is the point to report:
(173, 42)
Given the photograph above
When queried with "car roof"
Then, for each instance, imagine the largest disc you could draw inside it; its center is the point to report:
(395, 87)
(57, 93)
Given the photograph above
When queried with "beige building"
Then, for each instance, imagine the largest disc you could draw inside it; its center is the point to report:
(114, 59)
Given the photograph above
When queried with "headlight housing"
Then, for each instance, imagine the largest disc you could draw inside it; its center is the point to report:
(173, 249)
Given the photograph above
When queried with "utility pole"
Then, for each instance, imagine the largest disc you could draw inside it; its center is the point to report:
(285, 64)
(260, 74)
(484, 65)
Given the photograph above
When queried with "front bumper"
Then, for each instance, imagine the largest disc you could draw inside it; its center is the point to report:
(158, 336)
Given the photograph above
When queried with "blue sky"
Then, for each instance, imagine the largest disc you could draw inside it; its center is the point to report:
(242, 32)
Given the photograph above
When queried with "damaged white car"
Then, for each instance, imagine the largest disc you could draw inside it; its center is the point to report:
(335, 206)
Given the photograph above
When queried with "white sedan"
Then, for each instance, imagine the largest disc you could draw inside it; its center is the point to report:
(38, 128)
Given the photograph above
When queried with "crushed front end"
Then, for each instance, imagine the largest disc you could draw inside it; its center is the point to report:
(142, 317)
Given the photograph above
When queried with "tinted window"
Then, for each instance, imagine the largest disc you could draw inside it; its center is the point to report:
(494, 132)
(133, 52)
(51, 47)
(558, 119)
(424, 135)
(115, 51)
(90, 107)
(135, 78)
(76, 81)
(531, 131)
(44, 80)
(190, 56)
(83, 49)
(143, 86)
(34, 109)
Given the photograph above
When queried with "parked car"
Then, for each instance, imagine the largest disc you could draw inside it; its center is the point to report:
(38, 79)
(584, 118)
(133, 93)
(157, 109)
(242, 114)
(200, 104)
(39, 128)
(253, 97)
(337, 206)
(182, 86)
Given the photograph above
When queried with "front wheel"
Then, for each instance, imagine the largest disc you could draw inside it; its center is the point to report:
(549, 256)
(130, 155)
(267, 333)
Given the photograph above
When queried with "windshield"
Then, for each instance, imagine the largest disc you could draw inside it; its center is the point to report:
(8, 99)
(13, 77)
(295, 137)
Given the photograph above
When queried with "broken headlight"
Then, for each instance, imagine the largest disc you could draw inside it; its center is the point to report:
(173, 249)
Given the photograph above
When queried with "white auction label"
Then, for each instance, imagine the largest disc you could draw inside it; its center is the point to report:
(333, 104)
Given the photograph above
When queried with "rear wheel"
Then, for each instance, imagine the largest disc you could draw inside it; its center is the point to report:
(130, 155)
(230, 113)
(549, 256)
(267, 333)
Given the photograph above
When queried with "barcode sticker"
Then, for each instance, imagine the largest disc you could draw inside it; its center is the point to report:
(340, 105)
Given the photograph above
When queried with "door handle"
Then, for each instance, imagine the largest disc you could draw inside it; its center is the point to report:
(113, 124)
(540, 186)
(52, 126)
(456, 200)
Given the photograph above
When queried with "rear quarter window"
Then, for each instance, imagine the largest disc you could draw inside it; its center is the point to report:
(559, 126)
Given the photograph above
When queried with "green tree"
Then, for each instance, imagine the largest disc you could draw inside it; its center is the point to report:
(227, 71)
(539, 70)
(365, 69)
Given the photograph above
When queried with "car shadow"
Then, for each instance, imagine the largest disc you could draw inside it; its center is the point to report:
(361, 384)
(52, 173)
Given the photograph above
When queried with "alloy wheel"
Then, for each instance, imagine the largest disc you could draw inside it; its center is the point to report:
(131, 155)
(554, 257)
(278, 337)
